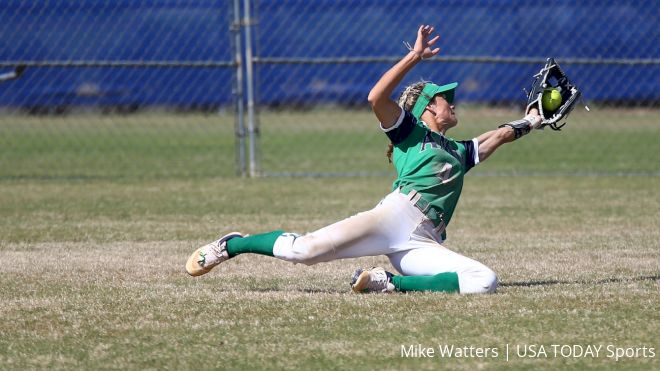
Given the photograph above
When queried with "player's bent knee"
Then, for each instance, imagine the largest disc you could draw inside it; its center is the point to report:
(489, 282)
(482, 281)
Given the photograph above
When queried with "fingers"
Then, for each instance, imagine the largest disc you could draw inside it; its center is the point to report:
(426, 29)
(423, 44)
(433, 40)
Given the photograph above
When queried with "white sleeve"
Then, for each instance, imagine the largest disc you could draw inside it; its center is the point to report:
(396, 124)
(476, 151)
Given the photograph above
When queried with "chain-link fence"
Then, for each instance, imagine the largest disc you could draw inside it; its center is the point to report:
(214, 88)
(316, 62)
(118, 89)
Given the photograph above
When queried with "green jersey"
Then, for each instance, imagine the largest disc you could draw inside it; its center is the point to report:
(431, 164)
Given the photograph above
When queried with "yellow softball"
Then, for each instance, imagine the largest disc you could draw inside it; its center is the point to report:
(551, 99)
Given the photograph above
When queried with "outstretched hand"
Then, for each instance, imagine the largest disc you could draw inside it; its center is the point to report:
(423, 45)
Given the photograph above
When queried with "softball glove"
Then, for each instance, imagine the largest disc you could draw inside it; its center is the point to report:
(552, 76)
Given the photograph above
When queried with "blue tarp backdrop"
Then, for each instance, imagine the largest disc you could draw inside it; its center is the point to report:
(121, 30)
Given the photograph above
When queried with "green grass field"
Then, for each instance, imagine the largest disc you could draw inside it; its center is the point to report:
(99, 213)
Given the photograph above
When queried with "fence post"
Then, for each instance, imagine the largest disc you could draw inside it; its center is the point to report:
(249, 81)
(239, 127)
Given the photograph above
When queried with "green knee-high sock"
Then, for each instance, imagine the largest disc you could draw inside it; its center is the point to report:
(445, 282)
(257, 244)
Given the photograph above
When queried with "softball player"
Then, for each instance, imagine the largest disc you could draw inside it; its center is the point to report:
(408, 225)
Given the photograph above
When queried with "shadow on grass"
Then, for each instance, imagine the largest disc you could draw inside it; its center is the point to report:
(565, 282)
(327, 291)
(531, 283)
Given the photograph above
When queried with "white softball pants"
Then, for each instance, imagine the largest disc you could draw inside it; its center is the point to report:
(397, 229)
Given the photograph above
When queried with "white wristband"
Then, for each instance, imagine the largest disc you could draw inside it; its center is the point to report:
(534, 120)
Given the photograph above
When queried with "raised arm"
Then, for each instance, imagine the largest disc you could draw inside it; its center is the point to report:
(491, 140)
(386, 110)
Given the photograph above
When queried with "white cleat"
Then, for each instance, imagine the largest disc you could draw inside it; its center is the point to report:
(208, 256)
(375, 279)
